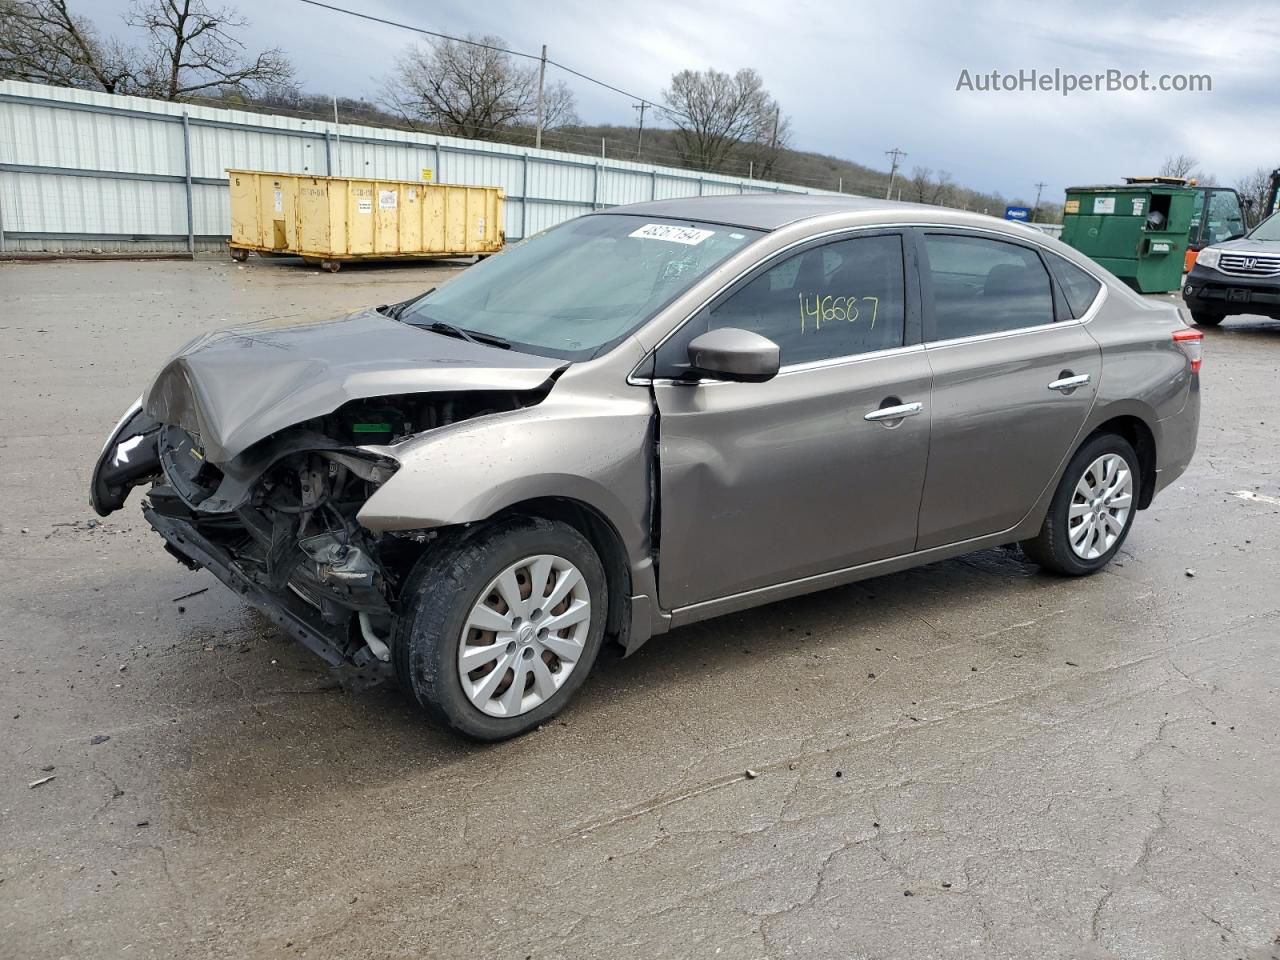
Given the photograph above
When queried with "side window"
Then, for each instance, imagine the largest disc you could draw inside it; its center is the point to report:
(1225, 216)
(1197, 218)
(837, 300)
(985, 286)
(1079, 288)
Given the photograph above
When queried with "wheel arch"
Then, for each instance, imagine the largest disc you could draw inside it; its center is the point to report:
(604, 539)
(1139, 435)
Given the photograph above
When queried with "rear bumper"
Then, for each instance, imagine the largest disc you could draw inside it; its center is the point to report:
(298, 618)
(1177, 438)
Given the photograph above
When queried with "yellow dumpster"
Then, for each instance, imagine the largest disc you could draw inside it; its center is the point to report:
(327, 220)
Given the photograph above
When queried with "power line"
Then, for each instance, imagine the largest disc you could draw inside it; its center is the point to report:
(487, 46)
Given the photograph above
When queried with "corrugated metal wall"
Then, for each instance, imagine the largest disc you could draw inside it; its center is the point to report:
(82, 171)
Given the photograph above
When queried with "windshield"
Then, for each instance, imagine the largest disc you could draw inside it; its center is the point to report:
(1268, 229)
(576, 290)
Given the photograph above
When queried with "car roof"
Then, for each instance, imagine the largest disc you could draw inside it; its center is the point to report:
(764, 211)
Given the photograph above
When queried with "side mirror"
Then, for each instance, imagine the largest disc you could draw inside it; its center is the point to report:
(733, 354)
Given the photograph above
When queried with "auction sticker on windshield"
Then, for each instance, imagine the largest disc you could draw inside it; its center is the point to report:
(673, 234)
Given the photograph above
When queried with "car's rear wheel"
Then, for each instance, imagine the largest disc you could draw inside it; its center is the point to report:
(1207, 318)
(1092, 509)
(502, 626)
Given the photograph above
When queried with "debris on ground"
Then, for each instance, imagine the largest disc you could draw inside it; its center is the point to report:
(98, 738)
(1191, 571)
(193, 593)
(751, 774)
(39, 783)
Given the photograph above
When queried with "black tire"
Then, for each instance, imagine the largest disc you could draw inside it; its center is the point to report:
(1207, 318)
(1051, 548)
(439, 595)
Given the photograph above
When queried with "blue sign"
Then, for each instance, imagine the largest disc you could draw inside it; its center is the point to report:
(1017, 213)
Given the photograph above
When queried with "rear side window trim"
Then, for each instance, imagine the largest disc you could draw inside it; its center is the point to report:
(1053, 261)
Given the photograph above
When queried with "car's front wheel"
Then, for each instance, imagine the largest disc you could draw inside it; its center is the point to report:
(1092, 510)
(502, 627)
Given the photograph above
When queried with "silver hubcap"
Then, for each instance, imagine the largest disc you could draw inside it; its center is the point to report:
(1100, 507)
(524, 636)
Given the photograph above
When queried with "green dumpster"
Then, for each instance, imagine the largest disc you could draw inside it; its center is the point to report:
(1138, 230)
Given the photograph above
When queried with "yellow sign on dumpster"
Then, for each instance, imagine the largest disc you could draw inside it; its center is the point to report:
(428, 174)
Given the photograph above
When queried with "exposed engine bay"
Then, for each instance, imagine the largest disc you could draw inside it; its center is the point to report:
(279, 519)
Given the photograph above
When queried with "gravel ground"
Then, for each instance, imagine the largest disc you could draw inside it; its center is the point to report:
(966, 760)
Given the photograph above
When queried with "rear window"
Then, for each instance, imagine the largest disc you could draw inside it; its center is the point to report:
(1078, 287)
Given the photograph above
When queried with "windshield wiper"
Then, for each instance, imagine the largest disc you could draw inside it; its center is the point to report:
(396, 310)
(449, 330)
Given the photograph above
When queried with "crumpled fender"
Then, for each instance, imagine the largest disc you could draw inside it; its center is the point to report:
(595, 450)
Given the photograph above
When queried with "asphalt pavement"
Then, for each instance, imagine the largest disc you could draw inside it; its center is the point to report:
(966, 760)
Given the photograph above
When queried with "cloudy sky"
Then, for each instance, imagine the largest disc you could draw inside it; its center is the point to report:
(857, 78)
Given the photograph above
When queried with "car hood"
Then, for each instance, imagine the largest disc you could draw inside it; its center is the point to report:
(1258, 248)
(233, 387)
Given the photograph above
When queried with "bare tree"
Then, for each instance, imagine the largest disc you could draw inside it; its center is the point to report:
(41, 41)
(192, 49)
(1188, 167)
(761, 157)
(1179, 165)
(715, 113)
(918, 185)
(923, 187)
(1255, 191)
(471, 89)
(941, 189)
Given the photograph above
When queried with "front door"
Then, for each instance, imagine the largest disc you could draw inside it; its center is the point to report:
(1011, 387)
(763, 483)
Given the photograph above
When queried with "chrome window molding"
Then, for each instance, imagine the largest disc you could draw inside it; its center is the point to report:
(1092, 312)
(638, 379)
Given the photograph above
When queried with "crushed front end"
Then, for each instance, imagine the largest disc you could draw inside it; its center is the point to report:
(277, 523)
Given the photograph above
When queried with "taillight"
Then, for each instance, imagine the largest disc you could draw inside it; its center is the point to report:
(1190, 342)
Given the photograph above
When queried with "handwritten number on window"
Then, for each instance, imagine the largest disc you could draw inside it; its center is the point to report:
(832, 309)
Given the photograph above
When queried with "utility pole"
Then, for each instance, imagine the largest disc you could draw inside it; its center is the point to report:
(337, 135)
(1036, 209)
(773, 141)
(641, 106)
(542, 73)
(894, 155)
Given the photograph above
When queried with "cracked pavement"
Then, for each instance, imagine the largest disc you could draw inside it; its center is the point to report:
(966, 760)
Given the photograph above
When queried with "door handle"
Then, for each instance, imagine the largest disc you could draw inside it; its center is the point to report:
(1067, 384)
(894, 413)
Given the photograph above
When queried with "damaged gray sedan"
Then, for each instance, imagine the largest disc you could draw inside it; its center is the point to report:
(650, 416)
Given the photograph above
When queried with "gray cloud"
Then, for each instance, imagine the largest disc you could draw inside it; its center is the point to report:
(858, 78)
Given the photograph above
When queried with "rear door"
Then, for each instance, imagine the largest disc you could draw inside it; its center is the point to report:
(1014, 377)
(762, 483)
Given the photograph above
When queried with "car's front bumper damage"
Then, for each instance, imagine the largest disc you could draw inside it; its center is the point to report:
(332, 642)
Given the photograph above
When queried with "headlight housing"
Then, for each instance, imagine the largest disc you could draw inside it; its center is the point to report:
(1208, 257)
